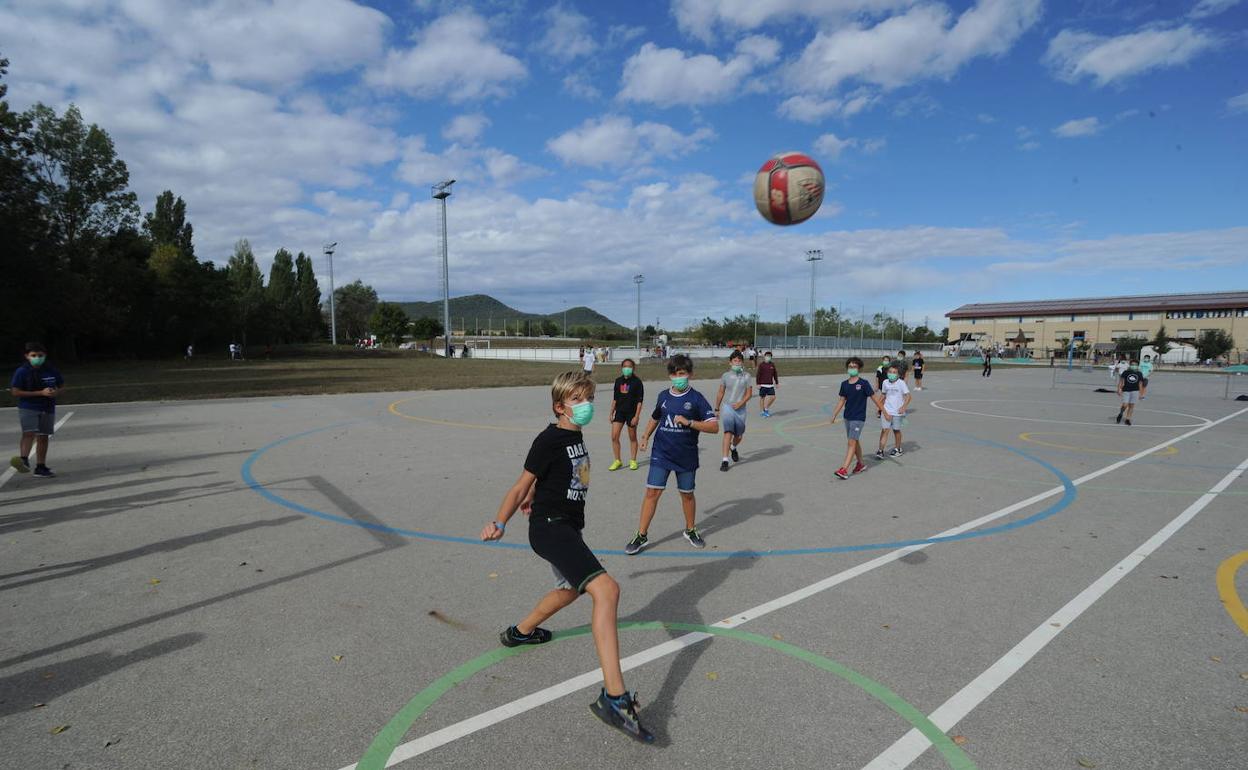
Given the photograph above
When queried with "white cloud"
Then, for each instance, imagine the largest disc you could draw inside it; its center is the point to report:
(1029, 146)
(830, 146)
(872, 146)
(923, 42)
(1079, 127)
(806, 108)
(481, 167)
(985, 118)
(702, 18)
(579, 85)
(614, 141)
(1207, 8)
(1074, 55)
(567, 34)
(1238, 104)
(466, 129)
(454, 58)
(667, 76)
(1199, 249)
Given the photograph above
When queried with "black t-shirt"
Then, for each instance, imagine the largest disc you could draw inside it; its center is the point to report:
(918, 365)
(1131, 380)
(561, 464)
(629, 392)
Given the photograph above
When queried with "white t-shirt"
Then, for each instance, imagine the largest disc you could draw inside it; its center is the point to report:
(587, 361)
(894, 395)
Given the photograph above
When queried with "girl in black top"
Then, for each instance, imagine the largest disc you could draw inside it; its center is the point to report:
(626, 402)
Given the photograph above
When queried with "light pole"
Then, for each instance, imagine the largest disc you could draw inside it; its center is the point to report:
(813, 256)
(755, 319)
(639, 279)
(442, 191)
(565, 318)
(333, 318)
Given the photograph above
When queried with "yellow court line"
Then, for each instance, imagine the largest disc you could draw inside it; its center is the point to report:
(1226, 589)
(394, 409)
(1170, 450)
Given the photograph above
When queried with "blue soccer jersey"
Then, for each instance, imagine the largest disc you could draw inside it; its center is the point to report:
(676, 446)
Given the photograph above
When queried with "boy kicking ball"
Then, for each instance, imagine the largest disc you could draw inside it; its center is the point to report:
(855, 392)
(552, 491)
(896, 402)
(679, 416)
(1129, 390)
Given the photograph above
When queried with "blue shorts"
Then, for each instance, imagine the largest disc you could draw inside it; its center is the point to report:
(732, 421)
(656, 478)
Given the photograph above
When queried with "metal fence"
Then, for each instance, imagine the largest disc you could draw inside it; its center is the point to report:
(794, 342)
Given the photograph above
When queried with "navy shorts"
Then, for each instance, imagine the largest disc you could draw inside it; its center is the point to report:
(766, 390)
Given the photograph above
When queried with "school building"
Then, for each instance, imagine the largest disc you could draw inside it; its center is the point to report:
(1099, 321)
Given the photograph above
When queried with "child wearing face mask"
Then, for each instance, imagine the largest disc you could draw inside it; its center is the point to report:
(680, 414)
(627, 397)
(735, 386)
(768, 380)
(35, 385)
(896, 401)
(854, 394)
(551, 491)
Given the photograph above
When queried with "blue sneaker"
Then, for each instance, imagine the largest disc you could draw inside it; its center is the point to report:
(621, 713)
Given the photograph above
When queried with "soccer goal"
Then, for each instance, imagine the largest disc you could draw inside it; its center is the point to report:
(1083, 375)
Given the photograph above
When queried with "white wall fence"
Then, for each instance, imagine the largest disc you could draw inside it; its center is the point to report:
(619, 354)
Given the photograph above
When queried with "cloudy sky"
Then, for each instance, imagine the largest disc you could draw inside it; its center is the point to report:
(974, 151)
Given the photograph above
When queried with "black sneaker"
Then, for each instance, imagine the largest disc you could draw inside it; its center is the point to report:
(20, 464)
(736, 458)
(621, 714)
(1119, 419)
(1128, 422)
(44, 472)
(636, 544)
(879, 454)
(723, 466)
(695, 538)
(896, 452)
(513, 638)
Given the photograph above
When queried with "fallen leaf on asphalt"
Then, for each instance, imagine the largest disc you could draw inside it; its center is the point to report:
(712, 675)
(49, 675)
(1056, 625)
(1085, 762)
(154, 581)
(337, 658)
(777, 637)
(493, 574)
(960, 740)
(1243, 674)
(1215, 659)
(59, 729)
(38, 705)
(1242, 709)
(113, 742)
(885, 626)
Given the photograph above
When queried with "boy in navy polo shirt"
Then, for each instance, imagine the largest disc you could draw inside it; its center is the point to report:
(855, 392)
(679, 416)
(35, 385)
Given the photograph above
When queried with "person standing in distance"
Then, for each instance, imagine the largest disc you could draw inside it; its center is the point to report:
(627, 399)
(35, 385)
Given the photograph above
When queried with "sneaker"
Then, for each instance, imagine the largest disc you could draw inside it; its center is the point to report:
(859, 468)
(621, 713)
(841, 473)
(736, 458)
(615, 465)
(44, 472)
(764, 413)
(694, 538)
(896, 452)
(512, 637)
(636, 544)
(1128, 423)
(632, 465)
(879, 454)
(723, 466)
(1119, 418)
(20, 463)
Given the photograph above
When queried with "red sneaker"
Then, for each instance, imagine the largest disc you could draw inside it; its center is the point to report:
(859, 468)
(841, 473)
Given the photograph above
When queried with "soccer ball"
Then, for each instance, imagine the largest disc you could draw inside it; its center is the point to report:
(788, 188)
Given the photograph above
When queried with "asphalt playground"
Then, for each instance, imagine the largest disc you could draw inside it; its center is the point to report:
(297, 583)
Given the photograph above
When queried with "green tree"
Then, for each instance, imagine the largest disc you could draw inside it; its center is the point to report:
(168, 225)
(311, 323)
(1213, 344)
(389, 323)
(1161, 341)
(426, 328)
(354, 305)
(550, 328)
(283, 297)
(246, 291)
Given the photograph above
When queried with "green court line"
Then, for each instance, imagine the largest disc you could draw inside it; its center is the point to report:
(778, 429)
(379, 751)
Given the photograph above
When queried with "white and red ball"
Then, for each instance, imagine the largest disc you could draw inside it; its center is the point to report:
(788, 188)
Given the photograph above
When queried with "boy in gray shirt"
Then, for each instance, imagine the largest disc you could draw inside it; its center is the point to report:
(737, 388)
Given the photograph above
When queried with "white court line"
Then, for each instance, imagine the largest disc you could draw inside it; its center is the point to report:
(10, 472)
(912, 745)
(499, 714)
(1103, 424)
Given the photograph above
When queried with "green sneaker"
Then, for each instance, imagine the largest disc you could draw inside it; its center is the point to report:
(632, 465)
(615, 465)
(21, 464)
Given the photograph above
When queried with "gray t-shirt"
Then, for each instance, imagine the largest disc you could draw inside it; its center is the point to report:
(734, 387)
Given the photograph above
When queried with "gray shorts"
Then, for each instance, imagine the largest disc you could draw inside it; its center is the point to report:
(894, 424)
(1130, 397)
(732, 421)
(35, 421)
(853, 429)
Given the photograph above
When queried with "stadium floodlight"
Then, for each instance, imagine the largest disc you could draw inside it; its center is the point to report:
(639, 279)
(333, 317)
(812, 256)
(442, 191)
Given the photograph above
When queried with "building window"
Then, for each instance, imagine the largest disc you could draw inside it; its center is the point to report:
(1186, 334)
(1117, 334)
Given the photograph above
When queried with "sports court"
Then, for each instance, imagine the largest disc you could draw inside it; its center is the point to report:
(297, 583)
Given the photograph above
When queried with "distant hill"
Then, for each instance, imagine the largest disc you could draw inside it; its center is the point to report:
(487, 310)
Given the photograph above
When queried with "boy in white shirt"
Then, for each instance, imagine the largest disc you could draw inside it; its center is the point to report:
(896, 401)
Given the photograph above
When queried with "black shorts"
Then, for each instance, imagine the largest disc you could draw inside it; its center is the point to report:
(1144, 381)
(766, 390)
(560, 544)
(918, 375)
(625, 415)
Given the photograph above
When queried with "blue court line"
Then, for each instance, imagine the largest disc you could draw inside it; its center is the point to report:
(1068, 496)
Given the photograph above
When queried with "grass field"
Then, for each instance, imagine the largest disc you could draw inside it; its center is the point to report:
(314, 370)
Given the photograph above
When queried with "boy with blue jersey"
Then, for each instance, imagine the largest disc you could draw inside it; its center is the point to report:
(854, 394)
(680, 414)
(35, 385)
